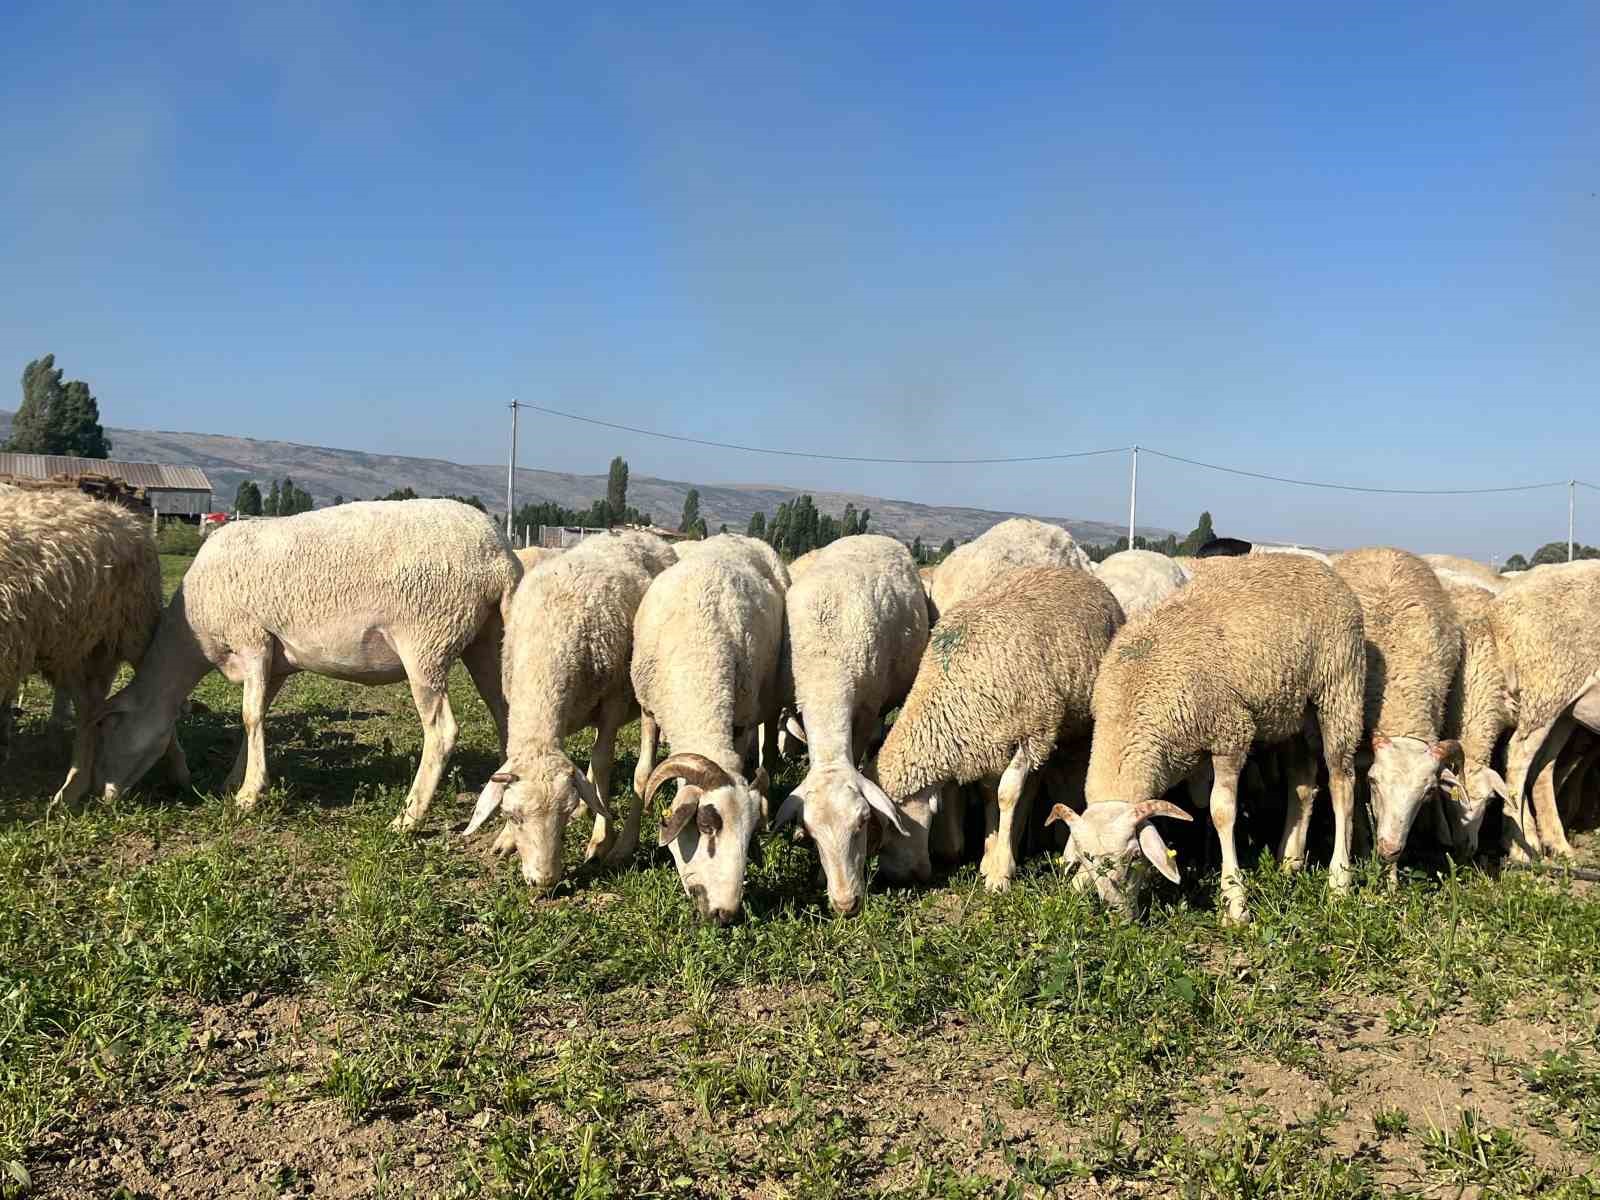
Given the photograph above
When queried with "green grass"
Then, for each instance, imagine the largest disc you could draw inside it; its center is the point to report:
(166, 960)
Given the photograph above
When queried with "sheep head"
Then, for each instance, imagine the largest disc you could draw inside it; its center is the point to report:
(846, 815)
(537, 798)
(1467, 793)
(1113, 844)
(130, 739)
(1404, 773)
(708, 829)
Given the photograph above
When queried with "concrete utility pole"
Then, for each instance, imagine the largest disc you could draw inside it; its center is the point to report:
(511, 474)
(1572, 487)
(1133, 496)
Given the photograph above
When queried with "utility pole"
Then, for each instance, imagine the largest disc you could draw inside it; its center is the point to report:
(1572, 487)
(1133, 496)
(511, 474)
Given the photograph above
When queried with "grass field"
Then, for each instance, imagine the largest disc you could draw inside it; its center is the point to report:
(299, 1003)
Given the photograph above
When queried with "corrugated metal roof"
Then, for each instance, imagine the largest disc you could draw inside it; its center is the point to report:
(135, 474)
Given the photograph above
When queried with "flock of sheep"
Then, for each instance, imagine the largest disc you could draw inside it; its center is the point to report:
(1015, 664)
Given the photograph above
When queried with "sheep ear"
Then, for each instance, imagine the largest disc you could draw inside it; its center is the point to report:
(790, 808)
(1061, 813)
(488, 800)
(878, 800)
(1156, 851)
(1498, 783)
(683, 811)
(590, 794)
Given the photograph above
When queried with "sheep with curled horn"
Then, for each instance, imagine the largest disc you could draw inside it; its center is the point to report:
(707, 640)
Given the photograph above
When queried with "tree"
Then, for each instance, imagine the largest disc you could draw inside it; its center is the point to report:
(338, 499)
(270, 508)
(850, 524)
(1198, 536)
(698, 529)
(247, 501)
(617, 489)
(405, 493)
(861, 522)
(1516, 563)
(949, 547)
(56, 417)
(691, 511)
(918, 554)
(758, 525)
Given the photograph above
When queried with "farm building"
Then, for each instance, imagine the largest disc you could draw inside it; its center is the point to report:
(171, 491)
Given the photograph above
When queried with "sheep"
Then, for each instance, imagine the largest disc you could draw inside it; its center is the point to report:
(80, 592)
(1477, 713)
(706, 644)
(1140, 579)
(1267, 650)
(1547, 625)
(1413, 651)
(1007, 676)
(1469, 567)
(569, 646)
(1018, 542)
(371, 593)
(533, 556)
(857, 624)
(1258, 548)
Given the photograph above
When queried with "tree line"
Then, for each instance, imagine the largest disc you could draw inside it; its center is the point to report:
(1550, 552)
(57, 415)
(609, 511)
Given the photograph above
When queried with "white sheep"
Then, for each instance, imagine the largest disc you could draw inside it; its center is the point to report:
(1018, 542)
(1478, 712)
(372, 593)
(1242, 656)
(80, 592)
(857, 622)
(535, 556)
(1140, 579)
(1413, 650)
(1547, 626)
(569, 648)
(1006, 677)
(1469, 567)
(706, 646)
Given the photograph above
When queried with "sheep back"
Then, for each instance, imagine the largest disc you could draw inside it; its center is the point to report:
(1547, 626)
(1140, 579)
(1008, 546)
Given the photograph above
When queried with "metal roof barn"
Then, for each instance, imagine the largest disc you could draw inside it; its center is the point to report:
(169, 490)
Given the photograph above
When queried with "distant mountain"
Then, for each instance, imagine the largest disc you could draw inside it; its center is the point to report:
(326, 473)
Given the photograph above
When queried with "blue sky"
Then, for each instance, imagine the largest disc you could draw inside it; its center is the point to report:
(1357, 242)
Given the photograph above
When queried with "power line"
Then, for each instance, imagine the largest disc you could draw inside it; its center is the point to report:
(1350, 487)
(934, 462)
(1593, 487)
(1031, 458)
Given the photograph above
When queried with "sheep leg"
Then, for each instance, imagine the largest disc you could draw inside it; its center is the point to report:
(605, 843)
(770, 759)
(1007, 814)
(1224, 810)
(601, 760)
(1520, 833)
(1552, 837)
(1342, 788)
(87, 690)
(1301, 769)
(234, 784)
(438, 739)
(482, 661)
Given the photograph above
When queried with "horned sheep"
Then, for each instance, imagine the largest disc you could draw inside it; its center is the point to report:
(707, 640)
(371, 593)
(569, 646)
(1413, 651)
(1238, 657)
(1006, 677)
(80, 593)
(858, 623)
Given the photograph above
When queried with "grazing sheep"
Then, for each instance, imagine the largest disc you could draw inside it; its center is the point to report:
(1469, 567)
(80, 592)
(1018, 542)
(1413, 651)
(569, 647)
(1547, 625)
(1140, 579)
(706, 644)
(533, 556)
(1006, 677)
(1477, 713)
(1264, 652)
(374, 592)
(858, 624)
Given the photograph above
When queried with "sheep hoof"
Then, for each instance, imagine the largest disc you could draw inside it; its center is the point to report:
(1339, 881)
(246, 801)
(404, 823)
(1561, 849)
(1293, 866)
(1517, 854)
(998, 880)
(1236, 914)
